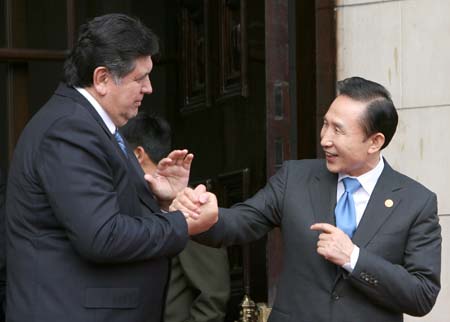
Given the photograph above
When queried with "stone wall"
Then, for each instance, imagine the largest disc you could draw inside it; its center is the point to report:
(405, 45)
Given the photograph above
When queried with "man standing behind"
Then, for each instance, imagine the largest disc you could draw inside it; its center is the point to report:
(361, 241)
(199, 286)
(80, 245)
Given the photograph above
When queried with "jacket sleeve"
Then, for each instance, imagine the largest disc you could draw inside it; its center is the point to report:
(412, 286)
(252, 219)
(79, 171)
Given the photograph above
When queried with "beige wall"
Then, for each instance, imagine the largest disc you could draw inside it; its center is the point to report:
(405, 45)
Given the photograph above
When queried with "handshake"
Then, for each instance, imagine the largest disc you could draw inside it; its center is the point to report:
(169, 185)
(199, 208)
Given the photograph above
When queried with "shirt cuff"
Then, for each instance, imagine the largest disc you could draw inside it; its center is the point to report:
(350, 266)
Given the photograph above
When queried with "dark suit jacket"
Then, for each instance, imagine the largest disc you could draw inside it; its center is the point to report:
(85, 240)
(199, 286)
(398, 270)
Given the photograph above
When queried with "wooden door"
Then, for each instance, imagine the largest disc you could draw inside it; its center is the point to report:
(300, 65)
(31, 53)
(220, 113)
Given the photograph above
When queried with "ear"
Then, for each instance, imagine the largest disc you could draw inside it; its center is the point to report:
(140, 154)
(100, 79)
(377, 141)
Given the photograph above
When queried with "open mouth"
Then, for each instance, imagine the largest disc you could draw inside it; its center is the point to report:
(330, 156)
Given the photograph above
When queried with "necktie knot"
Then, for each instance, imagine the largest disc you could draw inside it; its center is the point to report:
(351, 184)
(120, 142)
(345, 211)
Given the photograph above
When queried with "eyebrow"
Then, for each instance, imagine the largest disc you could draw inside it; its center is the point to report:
(338, 124)
(141, 76)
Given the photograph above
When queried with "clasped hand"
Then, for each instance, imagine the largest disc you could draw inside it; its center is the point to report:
(169, 185)
(199, 208)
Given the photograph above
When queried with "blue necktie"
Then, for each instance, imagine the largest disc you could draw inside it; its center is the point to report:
(121, 142)
(345, 211)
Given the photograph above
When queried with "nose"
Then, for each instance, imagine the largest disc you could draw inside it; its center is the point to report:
(324, 142)
(147, 86)
(325, 138)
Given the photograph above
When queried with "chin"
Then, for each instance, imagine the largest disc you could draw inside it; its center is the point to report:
(133, 111)
(131, 115)
(122, 123)
(124, 118)
(332, 169)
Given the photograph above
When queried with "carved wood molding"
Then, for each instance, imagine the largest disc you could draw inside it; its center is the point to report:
(197, 32)
(233, 186)
(25, 55)
(233, 48)
(194, 74)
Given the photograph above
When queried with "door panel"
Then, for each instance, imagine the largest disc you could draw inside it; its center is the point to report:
(222, 119)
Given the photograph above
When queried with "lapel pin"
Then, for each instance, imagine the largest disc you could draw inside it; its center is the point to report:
(388, 203)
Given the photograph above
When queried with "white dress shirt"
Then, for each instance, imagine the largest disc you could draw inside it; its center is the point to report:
(361, 197)
(105, 117)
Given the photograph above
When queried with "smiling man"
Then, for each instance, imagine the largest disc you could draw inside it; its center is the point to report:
(86, 239)
(361, 241)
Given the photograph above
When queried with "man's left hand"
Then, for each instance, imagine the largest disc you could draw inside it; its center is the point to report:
(333, 244)
(171, 176)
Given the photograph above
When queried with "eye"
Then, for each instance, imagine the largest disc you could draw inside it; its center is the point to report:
(338, 130)
(141, 79)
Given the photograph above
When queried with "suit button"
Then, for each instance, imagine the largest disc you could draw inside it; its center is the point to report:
(335, 296)
(363, 275)
(375, 282)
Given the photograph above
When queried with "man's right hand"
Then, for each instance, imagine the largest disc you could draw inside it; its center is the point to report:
(171, 176)
(199, 207)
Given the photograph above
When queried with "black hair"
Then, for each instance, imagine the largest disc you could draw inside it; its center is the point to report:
(380, 115)
(151, 132)
(114, 41)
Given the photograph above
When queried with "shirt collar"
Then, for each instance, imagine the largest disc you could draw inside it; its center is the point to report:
(369, 179)
(100, 110)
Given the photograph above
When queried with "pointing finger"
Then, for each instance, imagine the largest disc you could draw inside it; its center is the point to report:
(324, 227)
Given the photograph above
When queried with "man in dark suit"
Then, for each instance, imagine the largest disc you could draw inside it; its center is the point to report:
(86, 239)
(362, 242)
(199, 285)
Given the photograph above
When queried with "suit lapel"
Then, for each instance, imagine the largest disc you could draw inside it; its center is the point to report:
(383, 201)
(71, 92)
(135, 170)
(142, 189)
(323, 201)
(323, 196)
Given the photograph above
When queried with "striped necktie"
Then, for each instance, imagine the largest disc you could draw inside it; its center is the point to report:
(121, 142)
